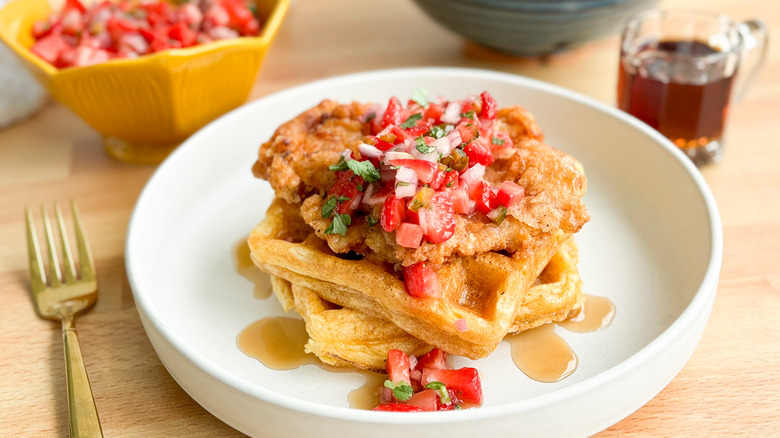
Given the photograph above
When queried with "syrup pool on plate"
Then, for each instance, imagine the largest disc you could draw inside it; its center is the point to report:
(541, 354)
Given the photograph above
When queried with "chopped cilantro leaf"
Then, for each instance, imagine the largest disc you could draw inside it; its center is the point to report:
(339, 224)
(424, 148)
(341, 165)
(444, 395)
(420, 96)
(343, 199)
(436, 132)
(401, 390)
(497, 141)
(469, 115)
(328, 207)
(365, 169)
(411, 121)
(371, 221)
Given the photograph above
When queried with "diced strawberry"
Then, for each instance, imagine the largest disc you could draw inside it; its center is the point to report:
(435, 359)
(484, 196)
(400, 134)
(74, 5)
(479, 152)
(397, 407)
(50, 48)
(347, 185)
(427, 400)
(393, 212)
(383, 145)
(440, 218)
(182, 33)
(464, 382)
(467, 130)
(451, 179)
(421, 281)
(489, 106)
(501, 140)
(397, 366)
(409, 235)
(461, 202)
(238, 12)
(433, 112)
(41, 29)
(393, 113)
(510, 193)
(156, 41)
(437, 182)
(425, 170)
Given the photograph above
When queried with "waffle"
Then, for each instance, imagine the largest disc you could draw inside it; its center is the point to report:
(493, 293)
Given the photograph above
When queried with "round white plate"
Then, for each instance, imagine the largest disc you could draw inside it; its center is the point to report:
(653, 247)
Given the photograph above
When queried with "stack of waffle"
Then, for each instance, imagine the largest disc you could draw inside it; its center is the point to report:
(356, 307)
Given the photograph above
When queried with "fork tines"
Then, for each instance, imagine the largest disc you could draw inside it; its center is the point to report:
(56, 276)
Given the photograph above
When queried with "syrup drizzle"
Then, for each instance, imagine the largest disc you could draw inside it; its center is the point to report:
(543, 355)
(247, 268)
(278, 343)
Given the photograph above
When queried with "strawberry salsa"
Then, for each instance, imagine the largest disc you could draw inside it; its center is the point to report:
(427, 384)
(422, 165)
(80, 36)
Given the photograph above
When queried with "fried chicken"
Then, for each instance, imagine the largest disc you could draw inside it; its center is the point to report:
(295, 161)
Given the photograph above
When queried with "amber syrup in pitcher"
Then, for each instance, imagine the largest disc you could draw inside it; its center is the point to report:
(684, 101)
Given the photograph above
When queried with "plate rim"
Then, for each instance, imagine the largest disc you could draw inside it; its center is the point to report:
(699, 302)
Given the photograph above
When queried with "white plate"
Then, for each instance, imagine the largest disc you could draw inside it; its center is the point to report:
(653, 247)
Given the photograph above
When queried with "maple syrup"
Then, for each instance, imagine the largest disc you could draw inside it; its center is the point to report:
(278, 343)
(245, 267)
(541, 354)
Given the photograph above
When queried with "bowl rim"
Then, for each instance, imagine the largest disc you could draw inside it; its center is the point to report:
(269, 30)
(559, 6)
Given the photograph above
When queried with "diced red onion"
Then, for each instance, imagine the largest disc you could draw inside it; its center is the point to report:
(406, 182)
(369, 151)
(443, 146)
(396, 155)
(451, 113)
(460, 325)
(356, 201)
(347, 154)
(422, 217)
(454, 138)
(473, 174)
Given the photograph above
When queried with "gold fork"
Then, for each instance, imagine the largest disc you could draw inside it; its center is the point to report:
(61, 295)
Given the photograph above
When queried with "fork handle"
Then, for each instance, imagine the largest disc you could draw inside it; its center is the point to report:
(83, 416)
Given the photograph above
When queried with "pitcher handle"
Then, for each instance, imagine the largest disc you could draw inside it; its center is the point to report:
(756, 37)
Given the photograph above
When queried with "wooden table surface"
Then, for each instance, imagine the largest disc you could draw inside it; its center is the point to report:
(731, 386)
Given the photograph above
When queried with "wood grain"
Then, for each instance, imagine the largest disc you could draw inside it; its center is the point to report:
(730, 387)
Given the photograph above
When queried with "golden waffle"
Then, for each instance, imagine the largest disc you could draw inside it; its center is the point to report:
(488, 291)
(344, 337)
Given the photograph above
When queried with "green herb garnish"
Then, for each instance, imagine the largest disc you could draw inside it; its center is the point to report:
(424, 148)
(439, 387)
(371, 221)
(365, 169)
(468, 115)
(420, 96)
(411, 121)
(339, 224)
(497, 141)
(401, 390)
(436, 132)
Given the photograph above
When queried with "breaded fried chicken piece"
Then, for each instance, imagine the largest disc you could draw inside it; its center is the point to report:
(295, 160)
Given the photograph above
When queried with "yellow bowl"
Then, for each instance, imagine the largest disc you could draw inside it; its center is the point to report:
(145, 107)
